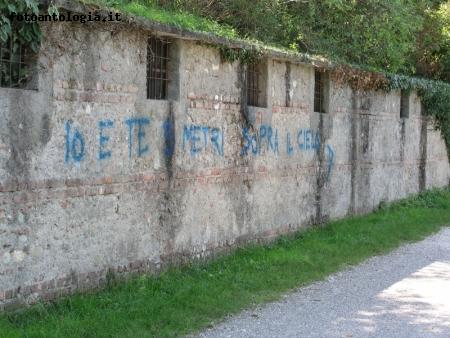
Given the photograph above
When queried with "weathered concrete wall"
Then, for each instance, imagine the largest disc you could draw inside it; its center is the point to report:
(95, 177)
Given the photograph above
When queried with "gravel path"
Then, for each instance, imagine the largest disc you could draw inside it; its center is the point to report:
(403, 294)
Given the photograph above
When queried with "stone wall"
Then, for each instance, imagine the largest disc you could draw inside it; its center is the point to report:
(95, 178)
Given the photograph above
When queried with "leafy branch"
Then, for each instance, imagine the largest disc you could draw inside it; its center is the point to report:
(22, 33)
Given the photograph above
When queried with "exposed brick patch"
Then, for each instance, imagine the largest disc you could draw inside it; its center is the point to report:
(154, 183)
(296, 108)
(99, 86)
(10, 294)
(213, 102)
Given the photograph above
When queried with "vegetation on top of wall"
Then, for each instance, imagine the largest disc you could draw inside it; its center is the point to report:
(434, 95)
(243, 55)
(154, 11)
(435, 98)
(397, 36)
(181, 19)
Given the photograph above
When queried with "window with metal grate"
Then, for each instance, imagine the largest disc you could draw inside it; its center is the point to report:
(256, 84)
(253, 90)
(319, 88)
(157, 68)
(17, 65)
(404, 104)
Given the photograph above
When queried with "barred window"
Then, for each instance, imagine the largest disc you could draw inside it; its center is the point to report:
(404, 104)
(256, 84)
(319, 91)
(157, 68)
(17, 65)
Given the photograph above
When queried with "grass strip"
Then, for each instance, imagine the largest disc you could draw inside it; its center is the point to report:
(184, 300)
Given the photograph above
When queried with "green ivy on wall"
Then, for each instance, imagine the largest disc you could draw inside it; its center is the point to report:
(21, 39)
(26, 33)
(435, 97)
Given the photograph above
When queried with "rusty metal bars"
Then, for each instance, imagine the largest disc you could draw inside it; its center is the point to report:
(253, 85)
(157, 68)
(16, 64)
(318, 92)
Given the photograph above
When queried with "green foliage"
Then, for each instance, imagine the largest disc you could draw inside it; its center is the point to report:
(436, 101)
(17, 33)
(26, 33)
(183, 300)
(432, 56)
(182, 19)
(377, 33)
(410, 37)
(266, 20)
